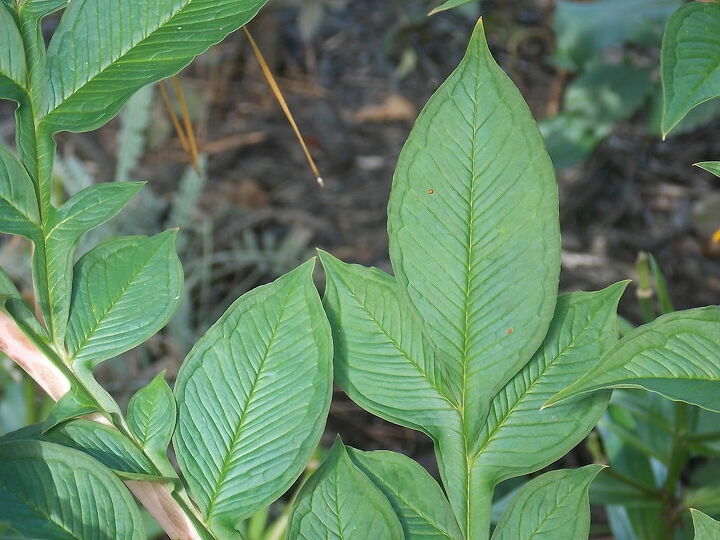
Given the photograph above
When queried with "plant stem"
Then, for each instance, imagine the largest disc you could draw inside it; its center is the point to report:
(678, 458)
(644, 290)
(171, 509)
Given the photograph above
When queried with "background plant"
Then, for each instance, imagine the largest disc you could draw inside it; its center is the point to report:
(450, 345)
(122, 291)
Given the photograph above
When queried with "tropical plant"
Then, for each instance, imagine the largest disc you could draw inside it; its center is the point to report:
(251, 398)
(470, 344)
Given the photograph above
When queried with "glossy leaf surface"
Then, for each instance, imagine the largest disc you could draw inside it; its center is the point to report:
(677, 355)
(47, 491)
(690, 60)
(338, 502)
(554, 505)
(253, 396)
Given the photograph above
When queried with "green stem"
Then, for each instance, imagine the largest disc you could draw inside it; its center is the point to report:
(678, 459)
(644, 290)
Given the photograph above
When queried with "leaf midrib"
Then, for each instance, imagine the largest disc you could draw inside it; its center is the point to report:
(243, 415)
(525, 392)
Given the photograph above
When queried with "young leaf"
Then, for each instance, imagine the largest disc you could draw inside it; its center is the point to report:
(416, 497)
(47, 491)
(253, 395)
(690, 60)
(710, 166)
(99, 57)
(519, 437)
(473, 226)
(152, 413)
(338, 502)
(13, 71)
(706, 528)
(124, 291)
(19, 212)
(675, 355)
(382, 360)
(75, 403)
(554, 505)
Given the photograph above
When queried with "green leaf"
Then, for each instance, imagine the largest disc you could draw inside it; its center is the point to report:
(676, 356)
(710, 166)
(77, 402)
(83, 212)
(13, 71)
(450, 4)
(18, 309)
(690, 60)
(47, 491)
(99, 56)
(382, 360)
(37, 9)
(416, 498)
(519, 437)
(19, 213)
(253, 396)
(473, 223)
(706, 528)
(554, 505)
(338, 502)
(152, 414)
(104, 443)
(124, 291)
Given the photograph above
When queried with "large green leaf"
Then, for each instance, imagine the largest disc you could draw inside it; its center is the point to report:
(554, 505)
(152, 414)
(48, 491)
(710, 166)
(690, 60)
(19, 212)
(416, 497)
(473, 223)
(706, 528)
(677, 355)
(253, 396)
(519, 437)
(338, 502)
(100, 55)
(13, 71)
(382, 360)
(124, 291)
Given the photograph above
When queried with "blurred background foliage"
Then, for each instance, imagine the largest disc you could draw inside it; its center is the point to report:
(355, 73)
